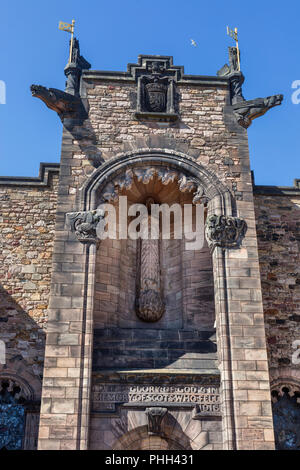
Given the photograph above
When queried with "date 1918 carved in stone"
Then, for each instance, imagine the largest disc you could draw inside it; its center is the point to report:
(225, 232)
(155, 416)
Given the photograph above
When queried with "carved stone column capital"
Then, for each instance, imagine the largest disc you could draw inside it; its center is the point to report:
(223, 231)
(84, 224)
(155, 416)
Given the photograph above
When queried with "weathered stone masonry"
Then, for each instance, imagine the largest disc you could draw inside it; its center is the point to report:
(27, 225)
(103, 365)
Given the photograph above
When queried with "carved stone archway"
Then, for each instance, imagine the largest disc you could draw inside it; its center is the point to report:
(168, 165)
(191, 176)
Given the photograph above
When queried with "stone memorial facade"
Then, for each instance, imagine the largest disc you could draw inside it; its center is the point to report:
(120, 343)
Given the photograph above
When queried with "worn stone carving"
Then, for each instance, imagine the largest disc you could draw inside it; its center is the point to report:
(167, 176)
(68, 103)
(63, 103)
(84, 224)
(150, 306)
(145, 175)
(156, 92)
(223, 231)
(246, 111)
(155, 416)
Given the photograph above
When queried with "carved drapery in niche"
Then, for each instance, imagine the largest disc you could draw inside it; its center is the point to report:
(150, 305)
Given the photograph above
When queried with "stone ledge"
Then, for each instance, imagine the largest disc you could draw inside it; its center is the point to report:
(43, 180)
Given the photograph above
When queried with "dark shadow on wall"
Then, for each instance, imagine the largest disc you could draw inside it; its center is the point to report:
(278, 236)
(21, 374)
(116, 348)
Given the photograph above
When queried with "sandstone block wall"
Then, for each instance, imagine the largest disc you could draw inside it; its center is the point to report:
(278, 233)
(27, 224)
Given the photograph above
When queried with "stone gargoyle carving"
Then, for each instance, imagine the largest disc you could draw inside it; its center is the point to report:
(244, 110)
(155, 416)
(223, 231)
(63, 103)
(68, 103)
(84, 224)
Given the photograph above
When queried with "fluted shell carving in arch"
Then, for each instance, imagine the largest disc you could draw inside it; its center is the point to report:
(145, 175)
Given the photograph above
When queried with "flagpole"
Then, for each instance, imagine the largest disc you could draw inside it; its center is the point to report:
(71, 45)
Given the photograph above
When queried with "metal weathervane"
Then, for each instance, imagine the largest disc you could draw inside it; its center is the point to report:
(69, 28)
(234, 35)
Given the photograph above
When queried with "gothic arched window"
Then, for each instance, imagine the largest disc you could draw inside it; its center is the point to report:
(286, 418)
(12, 415)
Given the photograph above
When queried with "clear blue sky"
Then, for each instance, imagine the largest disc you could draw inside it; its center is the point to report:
(113, 33)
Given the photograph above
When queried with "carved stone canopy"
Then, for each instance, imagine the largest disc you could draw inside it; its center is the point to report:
(225, 232)
(145, 175)
(155, 416)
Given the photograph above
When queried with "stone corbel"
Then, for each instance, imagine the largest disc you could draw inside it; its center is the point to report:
(84, 224)
(155, 416)
(225, 232)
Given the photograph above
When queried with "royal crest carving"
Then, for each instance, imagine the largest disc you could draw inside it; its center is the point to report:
(156, 92)
(223, 231)
(84, 224)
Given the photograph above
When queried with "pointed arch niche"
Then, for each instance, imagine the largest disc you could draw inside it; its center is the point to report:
(182, 340)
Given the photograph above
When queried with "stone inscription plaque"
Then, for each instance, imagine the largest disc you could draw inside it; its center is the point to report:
(207, 398)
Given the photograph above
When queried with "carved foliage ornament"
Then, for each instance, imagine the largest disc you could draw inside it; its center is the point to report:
(145, 175)
(225, 232)
(84, 224)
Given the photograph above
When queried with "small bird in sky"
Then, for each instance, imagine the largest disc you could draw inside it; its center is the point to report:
(193, 43)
